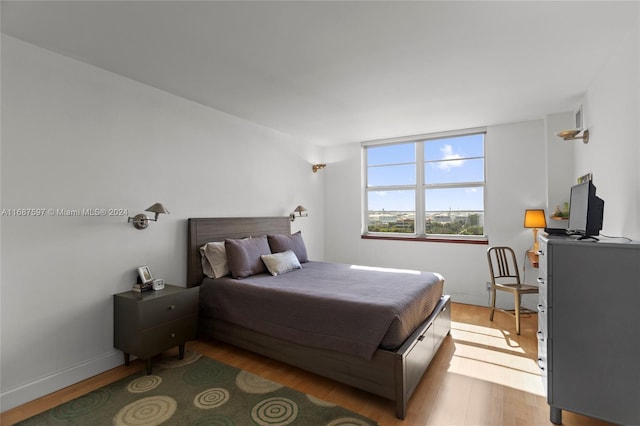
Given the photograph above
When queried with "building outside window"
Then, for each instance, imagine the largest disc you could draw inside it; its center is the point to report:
(430, 186)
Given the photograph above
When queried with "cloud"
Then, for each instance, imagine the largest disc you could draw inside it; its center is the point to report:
(452, 159)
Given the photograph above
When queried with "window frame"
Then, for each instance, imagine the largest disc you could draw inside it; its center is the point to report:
(420, 187)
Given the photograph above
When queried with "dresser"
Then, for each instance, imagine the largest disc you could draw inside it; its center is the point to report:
(589, 328)
(146, 324)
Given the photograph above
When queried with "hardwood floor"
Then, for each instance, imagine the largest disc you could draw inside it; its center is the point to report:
(484, 374)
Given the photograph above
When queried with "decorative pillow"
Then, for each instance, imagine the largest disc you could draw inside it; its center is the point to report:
(293, 242)
(281, 263)
(214, 259)
(243, 256)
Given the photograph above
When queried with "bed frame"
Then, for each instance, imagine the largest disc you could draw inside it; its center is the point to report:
(391, 374)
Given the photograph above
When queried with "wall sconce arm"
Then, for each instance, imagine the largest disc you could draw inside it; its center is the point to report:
(571, 135)
(317, 167)
(141, 221)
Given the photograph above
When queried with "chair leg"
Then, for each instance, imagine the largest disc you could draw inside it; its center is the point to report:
(517, 303)
(493, 302)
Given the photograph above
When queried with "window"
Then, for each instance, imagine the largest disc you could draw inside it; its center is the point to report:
(424, 187)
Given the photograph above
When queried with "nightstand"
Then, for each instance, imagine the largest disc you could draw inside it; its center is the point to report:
(146, 324)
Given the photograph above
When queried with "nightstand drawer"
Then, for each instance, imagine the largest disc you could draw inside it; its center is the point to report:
(167, 309)
(168, 335)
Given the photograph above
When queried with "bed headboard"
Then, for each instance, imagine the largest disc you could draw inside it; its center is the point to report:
(204, 230)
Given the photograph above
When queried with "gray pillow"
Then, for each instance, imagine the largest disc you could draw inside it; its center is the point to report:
(243, 256)
(281, 263)
(293, 242)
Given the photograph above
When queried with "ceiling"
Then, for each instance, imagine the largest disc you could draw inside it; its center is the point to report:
(332, 72)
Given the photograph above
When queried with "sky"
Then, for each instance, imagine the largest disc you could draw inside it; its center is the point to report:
(448, 160)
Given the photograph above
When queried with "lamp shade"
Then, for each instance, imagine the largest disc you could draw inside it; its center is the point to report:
(534, 219)
(157, 208)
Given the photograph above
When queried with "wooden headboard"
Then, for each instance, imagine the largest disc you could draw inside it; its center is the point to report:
(204, 230)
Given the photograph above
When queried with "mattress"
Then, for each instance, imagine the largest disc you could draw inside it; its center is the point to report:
(345, 308)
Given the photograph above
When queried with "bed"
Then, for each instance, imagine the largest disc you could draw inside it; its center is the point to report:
(391, 366)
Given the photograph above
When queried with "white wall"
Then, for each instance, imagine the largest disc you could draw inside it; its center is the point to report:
(515, 154)
(560, 171)
(528, 166)
(612, 112)
(75, 137)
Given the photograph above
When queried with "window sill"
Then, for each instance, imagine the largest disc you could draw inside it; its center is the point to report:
(435, 239)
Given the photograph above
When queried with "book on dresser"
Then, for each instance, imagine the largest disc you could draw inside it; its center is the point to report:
(142, 287)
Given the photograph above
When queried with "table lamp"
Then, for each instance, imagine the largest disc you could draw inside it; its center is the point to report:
(535, 219)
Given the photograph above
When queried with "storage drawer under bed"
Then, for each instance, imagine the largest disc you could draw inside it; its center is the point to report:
(418, 357)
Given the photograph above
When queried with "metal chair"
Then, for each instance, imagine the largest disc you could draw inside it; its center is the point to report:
(503, 269)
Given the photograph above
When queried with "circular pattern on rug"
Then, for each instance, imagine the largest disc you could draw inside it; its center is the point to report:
(149, 411)
(174, 362)
(275, 411)
(211, 398)
(144, 384)
(320, 402)
(250, 383)
(348, 421)
(214, 420)
(82, 405)
(203, 374)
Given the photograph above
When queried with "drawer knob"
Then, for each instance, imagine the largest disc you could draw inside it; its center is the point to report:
(172, 307)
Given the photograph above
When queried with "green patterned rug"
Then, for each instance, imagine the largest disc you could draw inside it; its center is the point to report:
(196, 391)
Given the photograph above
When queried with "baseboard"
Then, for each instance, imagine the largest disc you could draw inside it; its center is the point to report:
(468, 299)
(58, 380)
(505, 300)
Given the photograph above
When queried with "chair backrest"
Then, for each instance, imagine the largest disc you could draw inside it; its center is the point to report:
(503, 265)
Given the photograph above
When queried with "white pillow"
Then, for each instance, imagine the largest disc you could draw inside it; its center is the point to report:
(214, 259)
(280, 263)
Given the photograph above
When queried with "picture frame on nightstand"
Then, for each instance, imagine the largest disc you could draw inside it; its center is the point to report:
(145, 280)
(145, 275)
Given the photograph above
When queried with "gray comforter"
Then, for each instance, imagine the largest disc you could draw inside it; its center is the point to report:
(338, 307)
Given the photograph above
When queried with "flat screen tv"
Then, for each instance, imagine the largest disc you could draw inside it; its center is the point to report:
(586, 211)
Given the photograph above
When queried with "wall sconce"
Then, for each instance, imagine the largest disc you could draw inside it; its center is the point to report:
(317, 167)
(141, 221)
(302, 212)
(535, 219)
(570, 135)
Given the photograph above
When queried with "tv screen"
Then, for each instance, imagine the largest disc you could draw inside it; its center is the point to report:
(585, 211)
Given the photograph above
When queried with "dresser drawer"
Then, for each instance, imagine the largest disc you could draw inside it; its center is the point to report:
(542, 353)
(167, 308)
(542, 262)
(543, 286)
(543, 365)
(543, 291)
(542, 319)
